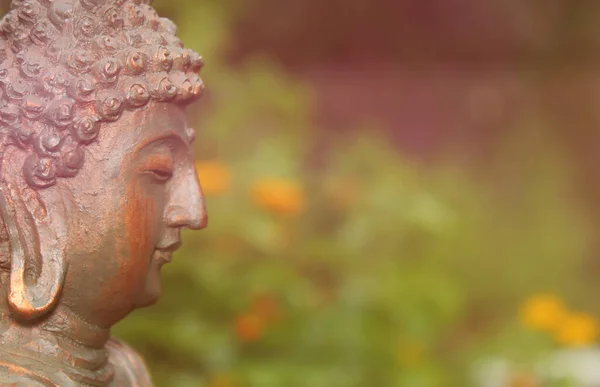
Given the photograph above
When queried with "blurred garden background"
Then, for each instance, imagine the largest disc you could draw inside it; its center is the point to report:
(401, 193)
(398, 192)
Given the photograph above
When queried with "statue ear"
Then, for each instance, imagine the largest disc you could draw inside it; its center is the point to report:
(38, 265)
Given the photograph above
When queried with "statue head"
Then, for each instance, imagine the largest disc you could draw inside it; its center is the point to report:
(97, 175)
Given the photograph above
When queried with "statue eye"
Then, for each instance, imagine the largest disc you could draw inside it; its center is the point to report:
(160, 167)
(161, 175)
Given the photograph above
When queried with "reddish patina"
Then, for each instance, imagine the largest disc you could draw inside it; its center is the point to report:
(97, 179)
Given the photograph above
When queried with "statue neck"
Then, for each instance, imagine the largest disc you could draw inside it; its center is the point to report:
(62, 341)
(69, 327)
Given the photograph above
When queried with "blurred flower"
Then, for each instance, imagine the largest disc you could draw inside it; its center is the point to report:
(581, 366)
(214, 176)
(492, 372)
(410, 353)
(524, 380)
(221, 380)
(543, 312)
(577, 330)
(249, 327)
(279, 196)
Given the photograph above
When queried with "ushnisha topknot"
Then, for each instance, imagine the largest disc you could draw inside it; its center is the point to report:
(66, 66)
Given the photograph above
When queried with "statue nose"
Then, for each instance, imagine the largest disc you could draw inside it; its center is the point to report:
(182, 217)
(186, 207)
(185, 204)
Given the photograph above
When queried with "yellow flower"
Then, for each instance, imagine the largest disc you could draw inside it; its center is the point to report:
(543, 312)
(410, 353)
(279, 196)
(578, 329)
(214, 176)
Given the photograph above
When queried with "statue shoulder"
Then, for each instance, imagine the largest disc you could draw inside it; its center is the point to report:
(130, 368)
(14, 376)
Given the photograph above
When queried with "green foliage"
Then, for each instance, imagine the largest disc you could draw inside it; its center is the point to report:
(419, 271)
(392, 274)
(400, 277)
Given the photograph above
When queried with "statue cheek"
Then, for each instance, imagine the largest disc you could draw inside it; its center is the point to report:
(135, 242)
(141, 215)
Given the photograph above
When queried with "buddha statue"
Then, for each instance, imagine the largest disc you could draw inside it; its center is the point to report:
(97, 180)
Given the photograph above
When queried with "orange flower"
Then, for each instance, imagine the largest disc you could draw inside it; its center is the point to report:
(543, 312)
(215, 177)
(279, 196)
(577, 330)
(249, 327)
(524, 380)
(221, 380)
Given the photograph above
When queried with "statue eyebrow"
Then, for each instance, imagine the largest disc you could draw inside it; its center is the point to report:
(171, 136)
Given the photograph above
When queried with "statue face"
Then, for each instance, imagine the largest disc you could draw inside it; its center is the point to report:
(125, 209)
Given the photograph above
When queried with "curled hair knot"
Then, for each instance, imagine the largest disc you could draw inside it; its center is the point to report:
(163, 90)
(48, 143)
(54, 82)
(55, 48)
(9, 114)
(110, 105)
(70, 160)
(28, 11)
(80, 61)
(32, 68)
(42, 32)
(39, 172)
(60, 12)
(137, 94)
(114, 18)
(85, 129)
(60, 113)
(86, 26)
(135, 16)
(167, 26)
(8, 25)
(135, 62)
(107, 70)
(17, 89)
(196, 62)
(162, 59)
(82, 89)
(108, 43)
(33, 107)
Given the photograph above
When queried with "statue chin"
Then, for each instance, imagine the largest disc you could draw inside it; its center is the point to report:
(96, 182)
(153, 286)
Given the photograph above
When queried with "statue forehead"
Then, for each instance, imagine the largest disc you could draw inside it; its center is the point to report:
(156, 121)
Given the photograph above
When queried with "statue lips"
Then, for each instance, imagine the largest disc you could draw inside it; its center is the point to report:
(164, 252)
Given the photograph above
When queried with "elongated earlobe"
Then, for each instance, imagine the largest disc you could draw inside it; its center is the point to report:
(38, 266)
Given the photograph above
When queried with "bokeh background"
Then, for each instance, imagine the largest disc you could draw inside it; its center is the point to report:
(397, 190)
